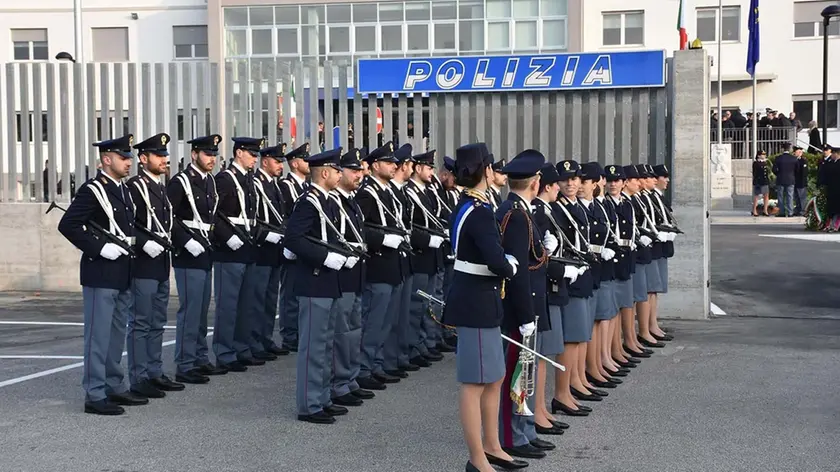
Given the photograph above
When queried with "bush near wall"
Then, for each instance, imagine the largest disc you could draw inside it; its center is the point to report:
(811, 222)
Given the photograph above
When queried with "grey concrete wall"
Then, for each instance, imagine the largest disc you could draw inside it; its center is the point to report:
(688, 289)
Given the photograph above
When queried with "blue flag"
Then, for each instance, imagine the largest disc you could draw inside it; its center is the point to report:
(753, 48)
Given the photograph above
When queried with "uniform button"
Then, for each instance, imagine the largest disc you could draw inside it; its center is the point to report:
(495, 288)
(533, 294)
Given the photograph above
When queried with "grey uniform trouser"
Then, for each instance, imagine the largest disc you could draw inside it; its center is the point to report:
(194, 290)
(347, 347)
(265, 293)
(233, 286)
(376, 325)
(106, 312)
(398, 341)
(419, 312)
(315, 353)
(145, 329)
(289, 304)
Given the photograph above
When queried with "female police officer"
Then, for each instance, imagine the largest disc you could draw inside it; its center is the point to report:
(475, 308)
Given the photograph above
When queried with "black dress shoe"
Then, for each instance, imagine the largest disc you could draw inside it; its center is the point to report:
(443, 347)
(559, 424)
(397, 373)
(164, 383)
(558, 406)
(618, 373)
(265, 356)
(348, 400)
(420, 361)
(642, 354)
(234, 366)
(210, 369)
(370, 383)
(634, 361)
(246, 361)
(433, 355)
(526, 450)
(278, 351)
(601, 384)
(290, 347)
(335, 410)
(146, 389)
(543, 445)
(103, 407)
(409, 367)
(614, 381)
(647, 351)
(647, 343)
(584, 397)
(318, 418)
(504, 464)
(363, 394)
(600, 393)
(667, 337)
(127, 399)
(471, 468)
(192, 377)
(385, 378)
(623, 364)
(553, 430)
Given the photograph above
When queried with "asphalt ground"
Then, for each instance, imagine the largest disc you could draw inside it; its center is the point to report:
(752, 391)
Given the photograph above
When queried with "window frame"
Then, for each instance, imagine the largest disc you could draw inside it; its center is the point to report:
(30, 45)
(719, 24)
(193, 55)
(815, 101)
(623, 29)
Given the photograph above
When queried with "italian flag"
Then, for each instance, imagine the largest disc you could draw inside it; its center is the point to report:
(293, 118)
(517, 391)
(681, 26)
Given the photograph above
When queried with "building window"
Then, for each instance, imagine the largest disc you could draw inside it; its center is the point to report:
(707, 24)
(190, 42)
(627, 28)
(110, 44)
(810, 107)
(30, 44)
(808, 21)
(287, 41)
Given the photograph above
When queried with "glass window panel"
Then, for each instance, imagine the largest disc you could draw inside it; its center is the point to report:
(707, 25)
(731, 24)
(804, 110)
(444, 11)
(612, 29)
(498, 36)
(261, 16)
(21, 50)
(261, 42)
(365, 38)
(110, 44)
(525, 35)
(471, 9)
(236, 17)
(391, 37)
(287, 41)
(417, 11)
(364, 13)
(833, 28)
(339, 39)
(201, 50)
(40, 51)
(554, 8)
(235, 43)
(832, 113)
(526, 8)
(612, 21)
(554, 34)
(287, 15)
(803, 30)
(391, 12)
(312, 15)
(338, 13)
(312, 40)
(634, 30)
(498, 8)
(470, 35)
(418, 37)
(444, 35)
(183, 51)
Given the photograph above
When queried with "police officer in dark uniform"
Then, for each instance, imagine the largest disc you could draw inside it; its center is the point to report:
(192, 194)
(268, 253)
(311, 228)
(652, 276)
(662, 207)
(475, 307)
(494, 190)
(153, 220)
(233, 259)
(105, 275)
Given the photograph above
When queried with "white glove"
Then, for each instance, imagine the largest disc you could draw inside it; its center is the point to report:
(289, 254)
(194, 247)
(335, 261)
(392, 241)
(550, 242)
(111, 251)
(527, 329)
(351, 262)
(272, 237)
(446, 232)
(646, 241)
(661, 236)
(435, 242)
(672, 236)
(571, 273)
(581, 270)
(153, 249)
(235, 243)
(513, 263)
(607, 254)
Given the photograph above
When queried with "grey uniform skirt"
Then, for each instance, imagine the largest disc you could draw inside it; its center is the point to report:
(640, 291)
(480, 358)
(577, 323)
(654, 284)
(607, 307)
(624, 293)
(551, 342)
(663, 274)
(592, 303)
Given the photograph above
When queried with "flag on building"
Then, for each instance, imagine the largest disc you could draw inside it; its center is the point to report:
(753, 45)
(681, 22)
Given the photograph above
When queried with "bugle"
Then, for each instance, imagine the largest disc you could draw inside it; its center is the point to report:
(554, 364)
(100, 231)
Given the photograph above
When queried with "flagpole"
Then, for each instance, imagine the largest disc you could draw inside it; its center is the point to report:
(719, 65)
(755, 119)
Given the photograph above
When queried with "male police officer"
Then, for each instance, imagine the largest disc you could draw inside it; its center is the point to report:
(269, 225)
(105, 275)
(153, 220)
(311, 229)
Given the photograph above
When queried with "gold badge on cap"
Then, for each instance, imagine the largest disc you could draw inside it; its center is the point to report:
(215, 140)
(262, 143)
(392, 146)
(283, 148)
(358, 155)
(163, 140)
(131, 140)
(612, 170)
(307, 147)
(567, 165)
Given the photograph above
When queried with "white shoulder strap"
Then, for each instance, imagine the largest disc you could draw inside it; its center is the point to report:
(99, 193)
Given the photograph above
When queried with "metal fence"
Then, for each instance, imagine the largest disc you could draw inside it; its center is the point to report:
(70, 106)
(768, 139)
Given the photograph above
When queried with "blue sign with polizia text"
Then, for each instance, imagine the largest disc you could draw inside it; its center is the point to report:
(628, 69)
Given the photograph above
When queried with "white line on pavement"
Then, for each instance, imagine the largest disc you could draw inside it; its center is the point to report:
(57, 323)
(716, 310)
(40, 357)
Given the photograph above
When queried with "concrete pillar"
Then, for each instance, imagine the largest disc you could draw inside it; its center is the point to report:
(688, 286)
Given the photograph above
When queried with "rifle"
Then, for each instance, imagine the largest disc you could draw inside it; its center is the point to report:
(200, 239)
(346, 250)
(431, 231)
(100, 231)
(665, 227)
(405, 245)
(165, 243)
(245, 237)
(569, 261)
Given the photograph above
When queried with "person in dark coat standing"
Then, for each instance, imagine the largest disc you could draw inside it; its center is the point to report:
(785, 170)
(800, 185)
(761, 182)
